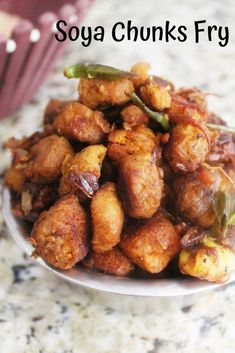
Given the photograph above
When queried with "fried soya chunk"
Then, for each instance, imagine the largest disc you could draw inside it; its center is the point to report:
(188, 147)
(193, 95)
(222, 147)
(52, 110)
(122, 143)
(107, 218)
(133, 116)
(208, 261)
(187, 104)
(155, 96)
(25, 143)
(60, 234)
(46, 158)
(140, 186)
(94, 92)
(14, 178)
(34, 199)
(79, 123)
(113, 262)
(194, 194)
(140, 69)
(82, 172)
(162, 82)
(152, 245)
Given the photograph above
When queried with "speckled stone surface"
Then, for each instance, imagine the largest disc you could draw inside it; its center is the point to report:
(42, 314)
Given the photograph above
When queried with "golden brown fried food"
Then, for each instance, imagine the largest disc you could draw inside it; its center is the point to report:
(140, 69)
(52, 110)
(193, 95)
(79, 123)
(94, 92)
(195, 192)
(107, 218)
(187, 148)
(122, 143)
(34, 199)
(152, 245)
(14, 178)
(156, 96)
(82, 172)
(113, 262)
(133, 116)
(140, 186)
(208, 260)
(46, 158)
(186, 106)
(222, 147)
(59, 235)
(25, 143)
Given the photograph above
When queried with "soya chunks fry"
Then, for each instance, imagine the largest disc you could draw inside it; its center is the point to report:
(122, 143)
(46, 159)
(60, 234)
(14, 178)
(140, 186)
(94, 92)
(79, 123)
(188, 147)
(208, 260)
(113, 262)
(52, 110)
(194, 194)
(152, 245)
(82, 173)
(107, 218)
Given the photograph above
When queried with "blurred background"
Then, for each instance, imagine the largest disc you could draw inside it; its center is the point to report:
(64, 319)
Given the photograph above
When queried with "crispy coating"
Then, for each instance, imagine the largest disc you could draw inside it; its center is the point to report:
(82, 172)
(152, 245)
(113, 262)
(52, 110)
(34, 199)
(14, 178)
(141, 69)
(222, 147)
(183, 108)
(140, 186)
(155, 96)
(193, 95)
(94, 92)
(46, 158)
(208, 260)
(107, 218)
(59, 235)
(187, 148)
(162, 82)
(79, 123)
(122, 143)
(25, 143)
(133, 116)
(195, 192)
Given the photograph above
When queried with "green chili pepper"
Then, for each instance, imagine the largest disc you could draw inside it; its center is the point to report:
(97, 71)
(162, 119)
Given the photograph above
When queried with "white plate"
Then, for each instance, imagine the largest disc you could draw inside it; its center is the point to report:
(105, 283)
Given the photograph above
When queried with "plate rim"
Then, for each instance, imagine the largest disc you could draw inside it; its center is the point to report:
(103, 282)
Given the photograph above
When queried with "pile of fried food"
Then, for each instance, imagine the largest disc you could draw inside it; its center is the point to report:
(135, 178)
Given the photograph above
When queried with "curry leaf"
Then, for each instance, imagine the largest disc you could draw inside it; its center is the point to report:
(224, 208)
(98, 71)
(162, 119)
(221, 127)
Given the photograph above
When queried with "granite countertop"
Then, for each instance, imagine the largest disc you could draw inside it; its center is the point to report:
(40, 313)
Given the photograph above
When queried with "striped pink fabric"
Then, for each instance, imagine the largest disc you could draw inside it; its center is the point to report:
(23, 70)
